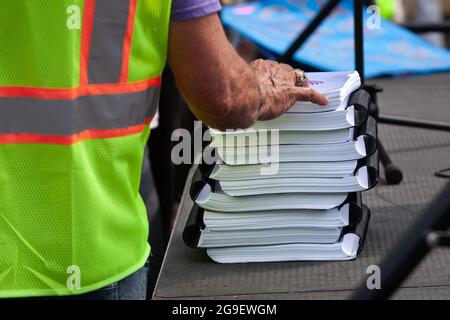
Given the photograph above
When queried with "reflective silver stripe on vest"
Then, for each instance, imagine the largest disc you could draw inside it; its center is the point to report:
(68, 117)
(105, 57)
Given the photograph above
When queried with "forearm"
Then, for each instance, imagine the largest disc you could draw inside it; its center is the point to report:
(220, 87)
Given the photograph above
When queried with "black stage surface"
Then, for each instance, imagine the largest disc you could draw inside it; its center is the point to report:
(188, 273)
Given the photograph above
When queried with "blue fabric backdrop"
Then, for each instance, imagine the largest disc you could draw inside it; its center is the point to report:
(389, 50)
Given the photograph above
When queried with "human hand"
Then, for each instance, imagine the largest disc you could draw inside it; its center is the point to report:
(279, 89)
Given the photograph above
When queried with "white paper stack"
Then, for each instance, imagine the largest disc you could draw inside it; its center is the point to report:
(291, 203)
(337, 86)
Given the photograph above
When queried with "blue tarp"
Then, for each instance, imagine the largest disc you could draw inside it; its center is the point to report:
(389, 50)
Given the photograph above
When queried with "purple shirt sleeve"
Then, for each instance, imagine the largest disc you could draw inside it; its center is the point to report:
(191, 9)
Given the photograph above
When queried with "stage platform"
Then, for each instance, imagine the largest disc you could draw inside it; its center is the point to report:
(189, 274)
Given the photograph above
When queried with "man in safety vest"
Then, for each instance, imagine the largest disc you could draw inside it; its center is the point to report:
(79, 84)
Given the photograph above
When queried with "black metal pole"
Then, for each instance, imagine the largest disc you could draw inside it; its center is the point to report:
(392, 173)
(287, 57)
(359, 37)
(410, 250)
(444, 26)
(400, 121)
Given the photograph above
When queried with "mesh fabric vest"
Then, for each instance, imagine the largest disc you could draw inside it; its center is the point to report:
(79, 84)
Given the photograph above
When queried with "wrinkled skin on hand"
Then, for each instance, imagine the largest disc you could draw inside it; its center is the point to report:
(278, 89)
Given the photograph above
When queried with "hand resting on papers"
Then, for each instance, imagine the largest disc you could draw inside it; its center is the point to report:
(278, 89)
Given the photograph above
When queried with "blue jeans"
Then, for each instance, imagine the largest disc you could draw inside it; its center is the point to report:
(133, 287)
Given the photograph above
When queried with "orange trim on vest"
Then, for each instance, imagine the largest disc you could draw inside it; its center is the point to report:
(126, 52)
(73, 93)
(86, 36)
(26, 138)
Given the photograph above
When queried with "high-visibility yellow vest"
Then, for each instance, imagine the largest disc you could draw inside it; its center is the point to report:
(79, 84)
(387, 8)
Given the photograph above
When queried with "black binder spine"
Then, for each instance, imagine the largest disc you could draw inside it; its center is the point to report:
(200, 179)
(370, 133)
(369, 128)
(354, 200)
(360, 99)
(193, 227)
(372, 164)
(360, 229)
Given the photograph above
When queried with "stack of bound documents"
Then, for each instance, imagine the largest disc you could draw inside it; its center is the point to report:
(290, 188)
